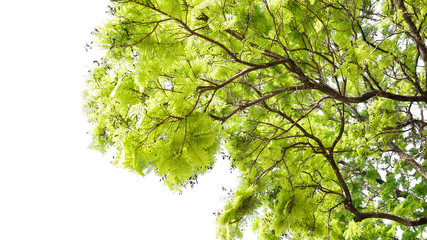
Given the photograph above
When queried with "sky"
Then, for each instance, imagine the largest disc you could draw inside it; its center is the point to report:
(52, 186)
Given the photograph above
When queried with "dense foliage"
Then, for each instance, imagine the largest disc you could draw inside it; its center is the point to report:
(319, 103)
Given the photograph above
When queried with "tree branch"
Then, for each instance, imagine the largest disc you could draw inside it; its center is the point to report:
(415, 222)
(414, 32)
(408, 159)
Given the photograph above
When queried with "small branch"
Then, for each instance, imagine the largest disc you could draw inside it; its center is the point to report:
(261, 99)
(342, 120)
(241, 73)
(408, 159)
(148, 34)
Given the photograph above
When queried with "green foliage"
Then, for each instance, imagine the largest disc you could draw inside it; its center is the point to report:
(320, 105)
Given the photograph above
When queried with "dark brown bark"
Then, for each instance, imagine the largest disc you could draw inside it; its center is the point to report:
(414, 33)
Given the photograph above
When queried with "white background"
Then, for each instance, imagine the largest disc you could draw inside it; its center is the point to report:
(51, 185)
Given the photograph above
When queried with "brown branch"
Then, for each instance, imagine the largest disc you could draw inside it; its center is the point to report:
(228, 51)
(414, 31)
(293, 67)
(342, 121)
(148, 34)
(193, 32)
(418, 122)
(323, 151)
(241, 37)
(368, 95)
(364, 97)
(408, 159)
(241, 73)
(415, 222)
(320, 187)
(261, 99)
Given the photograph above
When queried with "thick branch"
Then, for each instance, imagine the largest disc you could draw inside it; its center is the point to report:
(415, 222)
(414, 31)
(292, 66)
(368, 95)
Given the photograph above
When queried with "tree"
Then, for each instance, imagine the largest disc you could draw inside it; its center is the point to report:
(320, 105)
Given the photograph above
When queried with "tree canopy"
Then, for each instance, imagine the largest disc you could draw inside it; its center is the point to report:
(320, 104)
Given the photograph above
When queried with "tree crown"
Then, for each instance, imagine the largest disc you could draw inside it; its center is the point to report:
(320, 105)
